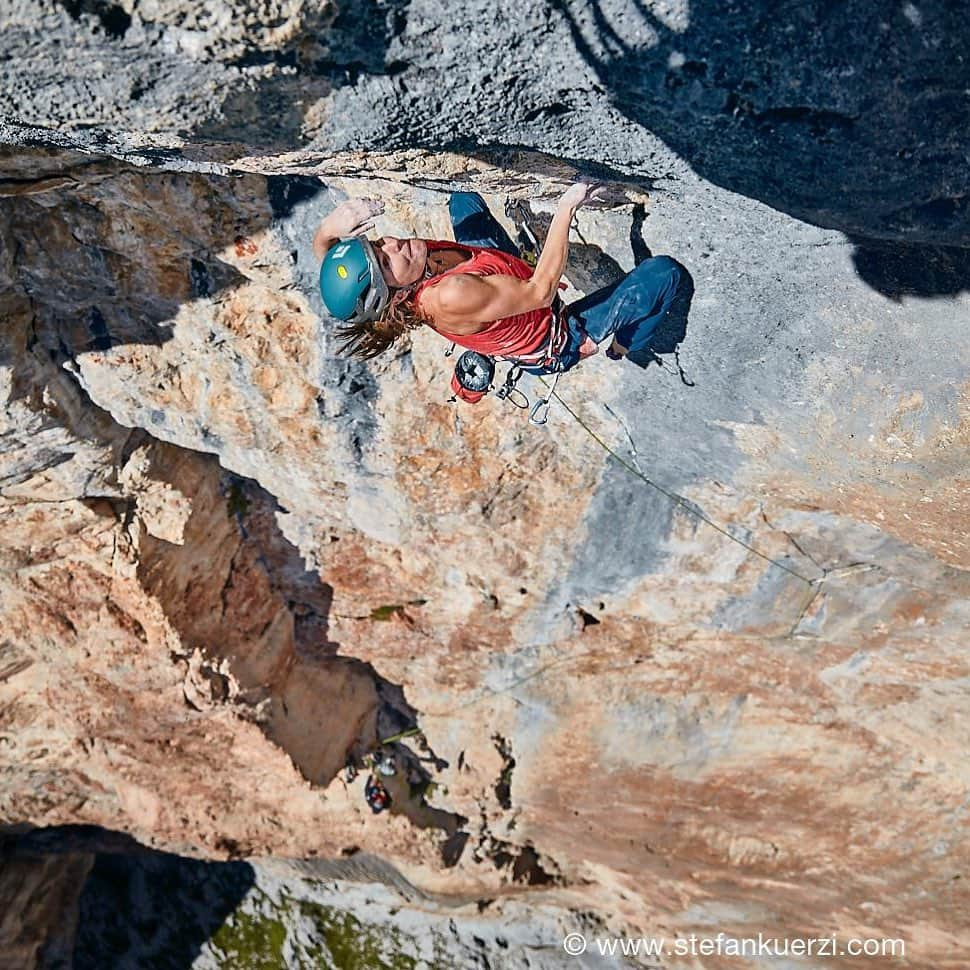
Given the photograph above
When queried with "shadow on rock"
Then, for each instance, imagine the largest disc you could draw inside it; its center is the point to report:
(155, 909)
(638, 244)
(590, 269)
(897, 269)
(851, 116)
(117, 271)
(238, 592)
(112, 902)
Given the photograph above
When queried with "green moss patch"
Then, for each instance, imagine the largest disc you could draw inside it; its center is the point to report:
(251, 941)
(354, 946)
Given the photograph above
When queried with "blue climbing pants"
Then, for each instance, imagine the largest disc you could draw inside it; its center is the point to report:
(474, 225)
(630, 309)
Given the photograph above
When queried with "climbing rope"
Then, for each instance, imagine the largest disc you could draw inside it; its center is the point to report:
(816, 585)
(673, 496)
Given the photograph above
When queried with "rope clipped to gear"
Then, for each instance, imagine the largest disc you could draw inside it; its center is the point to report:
(673, 496)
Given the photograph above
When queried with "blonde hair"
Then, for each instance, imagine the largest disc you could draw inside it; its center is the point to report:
(367, 340)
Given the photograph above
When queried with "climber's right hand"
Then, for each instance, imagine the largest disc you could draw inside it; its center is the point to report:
(352, 218)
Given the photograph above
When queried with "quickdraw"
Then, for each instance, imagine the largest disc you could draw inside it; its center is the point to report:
(540, 410)
(528, 241)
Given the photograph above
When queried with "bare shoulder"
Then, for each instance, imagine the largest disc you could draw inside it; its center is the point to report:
(456, 297)
(457, 291)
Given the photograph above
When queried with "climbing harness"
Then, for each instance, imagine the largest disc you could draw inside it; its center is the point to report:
(475, 371)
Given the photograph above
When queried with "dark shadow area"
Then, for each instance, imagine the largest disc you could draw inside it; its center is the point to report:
(589, 268)
(308, 599)
(409, 786)
(154, 909)
(114, 20)
(898, 269)
(240, 591)
(59, 839)
(286, 192)
(131, 905)
(849, 115)
(638, 244)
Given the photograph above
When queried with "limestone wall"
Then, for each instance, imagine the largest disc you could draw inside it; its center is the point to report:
(232, 560)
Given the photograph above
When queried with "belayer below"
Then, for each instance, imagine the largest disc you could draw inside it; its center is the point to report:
(478, 292)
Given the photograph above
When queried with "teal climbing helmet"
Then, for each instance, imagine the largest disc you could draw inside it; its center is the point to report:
(351, 282)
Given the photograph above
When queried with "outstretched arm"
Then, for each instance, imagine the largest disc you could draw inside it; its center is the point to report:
(555, 250)
(351, 218)
(464, 303)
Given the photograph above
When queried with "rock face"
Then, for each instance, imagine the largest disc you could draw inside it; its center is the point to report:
(147, 908)
(848, 115)
(233, 561)
(40, 895)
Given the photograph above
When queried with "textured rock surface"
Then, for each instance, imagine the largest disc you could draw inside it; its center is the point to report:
(145, 908)
(850, 115)
(39, 900)
(231, 559)
(591, 663)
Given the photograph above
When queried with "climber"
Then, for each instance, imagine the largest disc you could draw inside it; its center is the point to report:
(478, 293)
(376, 795)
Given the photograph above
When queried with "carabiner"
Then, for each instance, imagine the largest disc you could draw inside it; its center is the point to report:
(540, 410)
(540, 413)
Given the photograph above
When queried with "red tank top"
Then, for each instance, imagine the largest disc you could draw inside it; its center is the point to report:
(515, 336)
